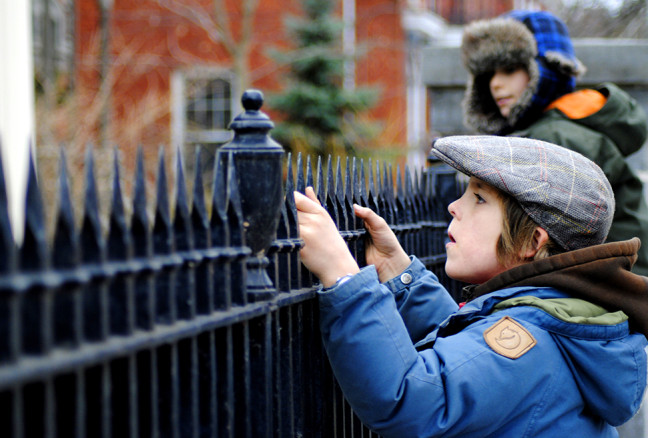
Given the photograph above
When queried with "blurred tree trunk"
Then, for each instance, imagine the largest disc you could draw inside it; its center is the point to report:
(104, 7)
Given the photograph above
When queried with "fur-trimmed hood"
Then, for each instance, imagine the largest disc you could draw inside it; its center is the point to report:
(535, 40)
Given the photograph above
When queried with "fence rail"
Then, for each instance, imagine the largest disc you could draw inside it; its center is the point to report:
(191, 323)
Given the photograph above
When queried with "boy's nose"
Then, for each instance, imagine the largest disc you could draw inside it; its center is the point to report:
(496, 80)
(452, 208)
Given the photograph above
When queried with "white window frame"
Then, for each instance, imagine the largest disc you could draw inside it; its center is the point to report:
(180, 79)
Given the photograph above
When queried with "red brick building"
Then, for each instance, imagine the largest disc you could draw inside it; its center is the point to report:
(172, 71)
(465, 11)
(171, 66)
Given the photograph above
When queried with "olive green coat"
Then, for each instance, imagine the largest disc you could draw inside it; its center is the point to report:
(607, 137)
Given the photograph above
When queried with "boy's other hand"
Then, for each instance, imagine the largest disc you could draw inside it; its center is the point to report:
(383, 251)
(325, 252)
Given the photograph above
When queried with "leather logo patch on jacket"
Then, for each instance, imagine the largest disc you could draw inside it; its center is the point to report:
(509, 338)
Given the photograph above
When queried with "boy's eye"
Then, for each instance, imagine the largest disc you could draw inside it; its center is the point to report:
(480, 200)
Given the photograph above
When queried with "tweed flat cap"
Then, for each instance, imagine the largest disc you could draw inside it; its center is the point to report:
(562, 191)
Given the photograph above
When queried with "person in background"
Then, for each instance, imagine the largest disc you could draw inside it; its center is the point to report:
(551, 341)
(522, 78)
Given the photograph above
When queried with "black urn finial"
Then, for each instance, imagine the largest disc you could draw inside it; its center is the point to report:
(252, 118)
(258, 162)
(252, 100)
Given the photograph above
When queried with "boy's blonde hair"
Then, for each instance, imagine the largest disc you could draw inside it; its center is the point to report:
(518, 231)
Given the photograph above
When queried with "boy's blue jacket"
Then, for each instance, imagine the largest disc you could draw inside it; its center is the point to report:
(412, 364)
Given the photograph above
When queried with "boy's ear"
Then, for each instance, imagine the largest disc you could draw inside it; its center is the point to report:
(540, 237)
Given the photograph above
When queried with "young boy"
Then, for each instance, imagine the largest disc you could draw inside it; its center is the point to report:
(522, 77)
(546, 344)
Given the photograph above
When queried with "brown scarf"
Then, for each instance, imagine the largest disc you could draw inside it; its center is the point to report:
(599, 274)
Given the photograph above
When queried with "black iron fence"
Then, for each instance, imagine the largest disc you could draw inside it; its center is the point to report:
(197, 321)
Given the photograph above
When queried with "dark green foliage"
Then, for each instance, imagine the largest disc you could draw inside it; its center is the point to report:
(318, 113)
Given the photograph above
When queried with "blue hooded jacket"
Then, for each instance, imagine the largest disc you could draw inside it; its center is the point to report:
(521, 361)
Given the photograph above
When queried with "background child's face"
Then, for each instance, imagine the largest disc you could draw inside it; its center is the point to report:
(506, 87)
(473, 233)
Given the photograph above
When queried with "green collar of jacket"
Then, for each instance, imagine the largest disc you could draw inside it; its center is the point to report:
(571, 310)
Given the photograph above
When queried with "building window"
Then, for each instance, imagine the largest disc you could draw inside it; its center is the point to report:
(202, 108)
(52, 38)
(208, 110)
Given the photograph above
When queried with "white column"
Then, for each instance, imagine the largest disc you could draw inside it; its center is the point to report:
(16, 103)
(349, 42)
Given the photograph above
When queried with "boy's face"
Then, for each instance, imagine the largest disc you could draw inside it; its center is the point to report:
(506, 87)
(473, 233)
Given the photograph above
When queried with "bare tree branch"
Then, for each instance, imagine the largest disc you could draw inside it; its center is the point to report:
(218, 27)
(204, 20)
(222, 20)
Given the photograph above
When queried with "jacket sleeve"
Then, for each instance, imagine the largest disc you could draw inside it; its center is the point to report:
(421, 300)
(400, 392)
(622, 119)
